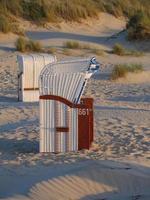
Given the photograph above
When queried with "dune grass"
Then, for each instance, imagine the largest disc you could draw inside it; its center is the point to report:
(24, 45)
(121, 70)
(74, 10)
(138, 26)
(72, 45)
(42, 11)
(77, 45)
(118, 49)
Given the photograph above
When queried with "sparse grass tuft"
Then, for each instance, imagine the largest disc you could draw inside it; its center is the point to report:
(121, 70)
(72, 45)
(25, 45)
(118, 49)
(34, 46)
(77, 45)
(21, 44)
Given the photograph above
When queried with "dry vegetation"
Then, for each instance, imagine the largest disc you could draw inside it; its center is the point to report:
(122, 70)
(118, 49)
(138, 26)
(72, 45)
(25, 45)
(137, 11)
(76, 45)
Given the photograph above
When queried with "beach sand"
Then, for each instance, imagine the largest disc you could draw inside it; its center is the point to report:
(117, 167)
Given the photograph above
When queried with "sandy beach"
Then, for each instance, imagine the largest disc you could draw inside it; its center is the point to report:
(117, 167)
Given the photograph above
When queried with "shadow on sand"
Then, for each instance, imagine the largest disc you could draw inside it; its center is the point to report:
(12, 126)
(141, 98)
(13, 146)
(99, 180)
(45, 35)
(8, 99)
(5, 48)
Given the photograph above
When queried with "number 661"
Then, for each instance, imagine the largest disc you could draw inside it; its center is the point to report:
(83, 111)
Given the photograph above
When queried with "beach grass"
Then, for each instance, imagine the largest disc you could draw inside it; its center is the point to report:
(121, 70)
(24, 45)
(120, 50)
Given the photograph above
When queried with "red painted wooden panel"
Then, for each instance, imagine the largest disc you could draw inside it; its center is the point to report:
(85, 124)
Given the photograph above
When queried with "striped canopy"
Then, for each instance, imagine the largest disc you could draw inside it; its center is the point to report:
(67, 78)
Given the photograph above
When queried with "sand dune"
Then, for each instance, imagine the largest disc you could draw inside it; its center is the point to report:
(94, 180)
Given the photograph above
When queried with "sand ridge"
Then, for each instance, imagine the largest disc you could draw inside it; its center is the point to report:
(94, 180)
